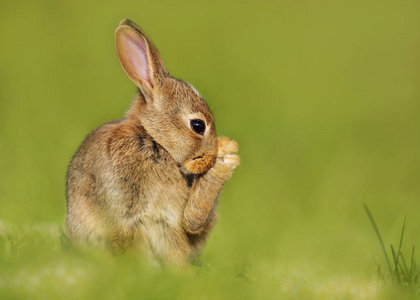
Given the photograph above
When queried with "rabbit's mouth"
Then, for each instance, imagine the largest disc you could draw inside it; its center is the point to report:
(200, 164)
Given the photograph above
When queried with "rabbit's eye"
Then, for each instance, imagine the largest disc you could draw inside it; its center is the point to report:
(198, 126)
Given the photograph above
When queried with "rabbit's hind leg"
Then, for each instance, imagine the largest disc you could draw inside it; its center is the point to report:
(83, 228)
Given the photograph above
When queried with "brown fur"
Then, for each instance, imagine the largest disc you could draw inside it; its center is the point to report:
(149, 182)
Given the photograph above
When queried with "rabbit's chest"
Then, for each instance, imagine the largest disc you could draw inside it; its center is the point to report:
(164, 200)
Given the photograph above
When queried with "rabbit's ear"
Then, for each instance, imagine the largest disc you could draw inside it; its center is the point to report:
(139, 58)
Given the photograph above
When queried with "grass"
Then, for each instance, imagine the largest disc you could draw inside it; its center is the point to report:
(37, 263)
(400, 274)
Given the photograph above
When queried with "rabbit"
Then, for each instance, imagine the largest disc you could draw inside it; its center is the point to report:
(149, 183)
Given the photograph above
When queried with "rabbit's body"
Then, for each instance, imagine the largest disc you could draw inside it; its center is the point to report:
(135, 203)
(150, 182)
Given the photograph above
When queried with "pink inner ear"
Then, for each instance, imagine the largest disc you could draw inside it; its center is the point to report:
(136, 54)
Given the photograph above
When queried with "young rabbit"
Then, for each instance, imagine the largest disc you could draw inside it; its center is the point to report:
(150, 182)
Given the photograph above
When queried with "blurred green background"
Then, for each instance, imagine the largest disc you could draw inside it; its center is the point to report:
(322, 96)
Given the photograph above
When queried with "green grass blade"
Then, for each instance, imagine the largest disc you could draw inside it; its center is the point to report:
(406, 272)
(412, 263)
(379, 237)
(396, 274)
(401, 238)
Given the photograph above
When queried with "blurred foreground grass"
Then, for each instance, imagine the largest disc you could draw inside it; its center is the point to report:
(36, 265)
(322, 96)
(47, 270)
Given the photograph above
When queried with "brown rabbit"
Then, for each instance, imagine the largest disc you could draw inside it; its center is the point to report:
(150, 182)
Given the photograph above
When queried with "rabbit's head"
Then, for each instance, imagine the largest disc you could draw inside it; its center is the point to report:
(171, 111)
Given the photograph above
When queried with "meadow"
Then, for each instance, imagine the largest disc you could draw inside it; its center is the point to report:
(323, 98)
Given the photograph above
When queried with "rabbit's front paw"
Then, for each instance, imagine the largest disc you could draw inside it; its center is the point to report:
(226, 146)
(226, 153)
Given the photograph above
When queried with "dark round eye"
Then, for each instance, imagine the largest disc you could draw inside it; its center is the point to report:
(198, 126)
